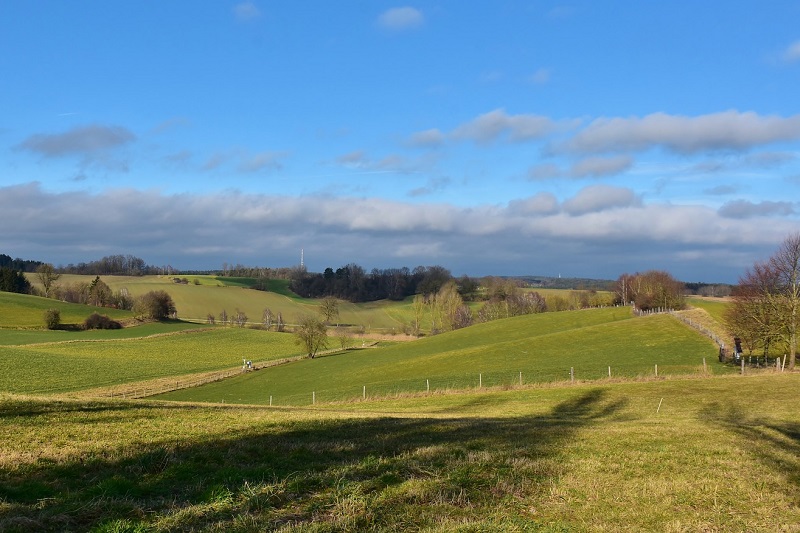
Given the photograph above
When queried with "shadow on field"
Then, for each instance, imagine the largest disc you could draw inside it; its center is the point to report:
(352, 474)
(775, 444)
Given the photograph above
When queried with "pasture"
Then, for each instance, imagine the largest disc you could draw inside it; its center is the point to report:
(20, 311)
(212, 295)
(690, 450)
(118, 358)
(693, 454)
(503, 353)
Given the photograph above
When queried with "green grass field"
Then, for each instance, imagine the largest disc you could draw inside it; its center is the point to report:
(82, 364)
(23, 311)
(213, 294)
(676, 455)
(716, 308)
(543, 348)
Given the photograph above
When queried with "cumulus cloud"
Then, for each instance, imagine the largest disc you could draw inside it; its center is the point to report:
(728, 130)
(601, 232)
(542, 203)
(745, 209)
(261, 161)
(497, 124)
(401, 18)
(596, 198)
(595, 167)
(83, 141)
(427, 139)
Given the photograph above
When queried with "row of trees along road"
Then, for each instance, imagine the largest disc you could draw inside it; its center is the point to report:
(765, 310)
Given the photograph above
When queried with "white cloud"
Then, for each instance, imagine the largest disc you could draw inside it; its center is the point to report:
(261, 161)
(746, 209)
(496, 124)
(596, 198)
(595, 167)
(84, 140)
(600, 232)
(542, 203)
(401, 18)
(728, 130)
(428, 138)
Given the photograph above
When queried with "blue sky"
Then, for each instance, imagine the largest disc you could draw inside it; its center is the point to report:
(581, 138)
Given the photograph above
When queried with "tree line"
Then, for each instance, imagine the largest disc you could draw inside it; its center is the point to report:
(765, 310)
(354, 284)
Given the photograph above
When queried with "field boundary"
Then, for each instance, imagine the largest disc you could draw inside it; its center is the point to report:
(152, 387)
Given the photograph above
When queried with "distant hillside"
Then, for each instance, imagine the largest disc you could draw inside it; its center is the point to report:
(549, 282)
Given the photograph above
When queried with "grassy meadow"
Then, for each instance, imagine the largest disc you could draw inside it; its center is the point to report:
(678, 455)
(212, 294)
(691, 450)
(542, 348)
(58, 367)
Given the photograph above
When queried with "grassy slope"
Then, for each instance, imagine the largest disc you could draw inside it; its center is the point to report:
(543, 347)
(715, 308)
(581, 458)
(24, 311)
(69, 366)
(215, 294)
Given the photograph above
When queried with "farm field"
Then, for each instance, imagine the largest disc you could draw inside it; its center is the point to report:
(542, 348)
(691, 454)
(58, 367)
(26, 312)
(675, 453)
(213, 294)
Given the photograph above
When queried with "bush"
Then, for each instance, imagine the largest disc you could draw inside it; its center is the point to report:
(157, 305)
(98, 321)
(52, 318)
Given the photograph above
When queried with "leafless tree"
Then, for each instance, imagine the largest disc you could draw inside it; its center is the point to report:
(329, 309)
(311, 333)
(47, 276)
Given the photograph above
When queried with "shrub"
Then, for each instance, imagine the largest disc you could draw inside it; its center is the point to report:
(98, 321)
(157, 305)
(52, 318)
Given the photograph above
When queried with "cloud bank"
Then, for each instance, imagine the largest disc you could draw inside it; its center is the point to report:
(538, 234)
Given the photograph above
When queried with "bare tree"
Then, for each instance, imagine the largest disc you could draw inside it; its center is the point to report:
(344, 336)
(240, 318)
(751, 317)
(786, 265)
(766, 303)
(418, 307)
(329, 308)
(47, 276)
(267, 318)
(311, 333)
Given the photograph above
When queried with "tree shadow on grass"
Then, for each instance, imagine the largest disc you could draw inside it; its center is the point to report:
(326, 474)
(776, 444)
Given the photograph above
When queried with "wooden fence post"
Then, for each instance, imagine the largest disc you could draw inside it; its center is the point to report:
(572, 374)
